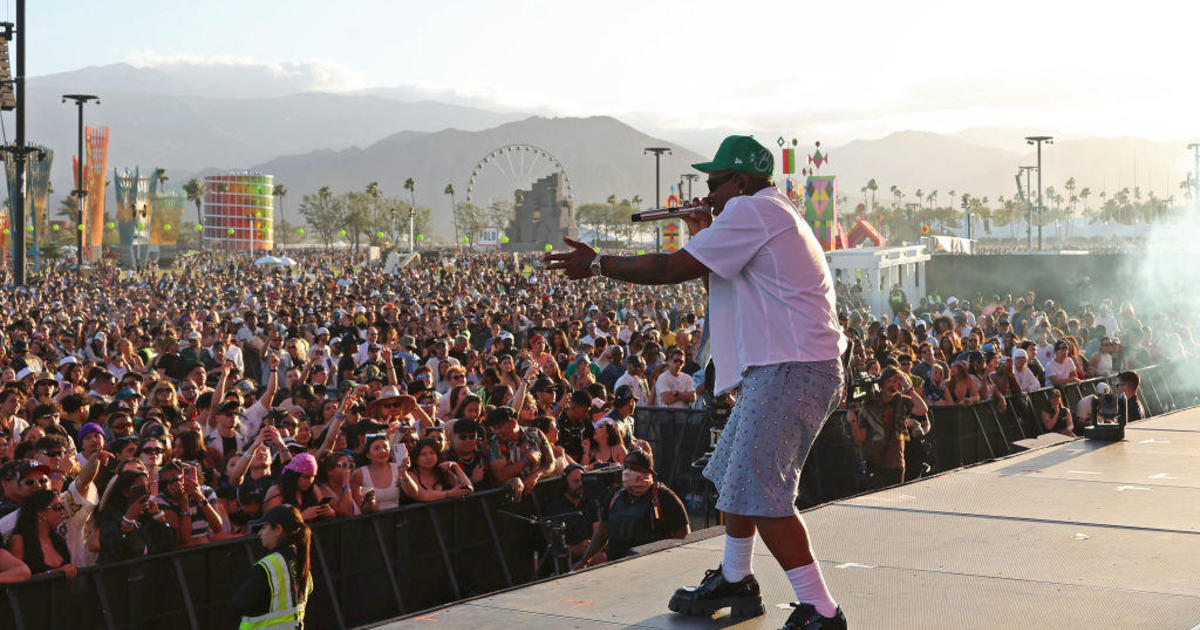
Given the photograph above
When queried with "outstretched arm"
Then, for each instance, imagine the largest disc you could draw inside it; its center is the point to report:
(647, 269)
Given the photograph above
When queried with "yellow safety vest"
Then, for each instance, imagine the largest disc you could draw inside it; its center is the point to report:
(283, 612)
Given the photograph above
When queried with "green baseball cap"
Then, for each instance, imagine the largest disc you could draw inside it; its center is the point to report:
(740, 153)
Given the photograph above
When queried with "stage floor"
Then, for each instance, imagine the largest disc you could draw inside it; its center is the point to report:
(1078, 535)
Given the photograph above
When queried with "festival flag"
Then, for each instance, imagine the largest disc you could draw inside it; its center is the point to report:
(673, 201)
(789, 161)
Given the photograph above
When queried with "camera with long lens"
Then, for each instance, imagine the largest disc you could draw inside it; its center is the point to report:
(861, 388)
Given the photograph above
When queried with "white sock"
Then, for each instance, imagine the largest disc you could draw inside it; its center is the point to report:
(810, 588)
(739, 553)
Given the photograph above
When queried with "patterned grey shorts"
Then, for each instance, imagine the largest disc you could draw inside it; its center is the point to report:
(756, 464)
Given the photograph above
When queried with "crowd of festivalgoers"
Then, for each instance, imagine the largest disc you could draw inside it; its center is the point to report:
(152, 410)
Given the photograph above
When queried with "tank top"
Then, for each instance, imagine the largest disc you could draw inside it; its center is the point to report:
(385, 498)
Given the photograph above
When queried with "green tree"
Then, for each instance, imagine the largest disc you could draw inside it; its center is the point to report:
(469, 220)
(500, 214)
(323, 211)
(196, 190)
(593, 216)
(356, 215)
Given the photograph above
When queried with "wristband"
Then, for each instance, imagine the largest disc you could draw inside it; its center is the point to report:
(129, 521)
(160, 517)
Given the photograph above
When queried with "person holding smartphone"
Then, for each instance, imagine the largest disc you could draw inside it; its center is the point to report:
(132, 523)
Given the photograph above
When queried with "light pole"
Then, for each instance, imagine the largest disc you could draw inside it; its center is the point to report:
(690, 177)
(1029, 205)
(19, 150)
(1195, 147)
(657, 151)
(1038, 140)
(80, 192)
(412, 221)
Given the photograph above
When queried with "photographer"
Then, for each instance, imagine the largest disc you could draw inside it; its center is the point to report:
(887, 423)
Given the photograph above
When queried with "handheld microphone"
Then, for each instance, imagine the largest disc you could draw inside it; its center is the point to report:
(697, 206)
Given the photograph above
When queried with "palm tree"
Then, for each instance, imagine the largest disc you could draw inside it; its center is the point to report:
(279, 192)
(636, 202)
(871, 187)
(449, 190)
(196, 191)
(411, 187)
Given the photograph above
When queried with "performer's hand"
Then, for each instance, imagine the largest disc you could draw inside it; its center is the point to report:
(575, 262)
(697, 221)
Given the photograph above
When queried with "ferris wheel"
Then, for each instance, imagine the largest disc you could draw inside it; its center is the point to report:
(518, 166)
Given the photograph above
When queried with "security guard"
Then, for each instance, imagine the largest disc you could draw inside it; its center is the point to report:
(270, 595)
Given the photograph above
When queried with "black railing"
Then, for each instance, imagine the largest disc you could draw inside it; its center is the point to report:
(365, 569)
(377, 566)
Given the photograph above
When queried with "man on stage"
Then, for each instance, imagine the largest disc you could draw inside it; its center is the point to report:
(774, 333)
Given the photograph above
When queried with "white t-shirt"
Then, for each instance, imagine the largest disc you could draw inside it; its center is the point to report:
(637, 384)
(668, 382)
(1027, 380)
(1066, 369)
(771, 297)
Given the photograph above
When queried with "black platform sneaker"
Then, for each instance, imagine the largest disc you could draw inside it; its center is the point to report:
(714, 593)
(806, 617)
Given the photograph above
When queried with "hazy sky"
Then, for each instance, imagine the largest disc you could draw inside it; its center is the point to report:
(839, 70)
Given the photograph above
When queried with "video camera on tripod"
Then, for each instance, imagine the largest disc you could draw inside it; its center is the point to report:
(554, 529)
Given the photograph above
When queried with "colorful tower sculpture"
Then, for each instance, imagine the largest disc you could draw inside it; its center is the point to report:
(820, 200)
(134, 196)
(164, 223)
(94, 170)
(239, 213)
(37, 178)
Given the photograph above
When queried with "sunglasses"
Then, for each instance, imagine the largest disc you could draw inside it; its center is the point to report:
(152, 451)
(35, 482)
(345, 465)
(57, 507)
(716, 182)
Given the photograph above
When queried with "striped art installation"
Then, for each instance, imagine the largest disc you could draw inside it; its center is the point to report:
(164, 224)
(239, 212)
(94, 170)
(37, 178)
(134, 196)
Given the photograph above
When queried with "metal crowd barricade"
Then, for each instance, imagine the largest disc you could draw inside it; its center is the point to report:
(365, 569)
(677, 436)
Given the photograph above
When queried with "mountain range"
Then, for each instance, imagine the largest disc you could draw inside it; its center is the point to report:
(194, 122)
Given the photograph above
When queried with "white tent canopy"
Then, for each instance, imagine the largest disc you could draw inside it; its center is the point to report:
(268, 260)
(287, 261)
